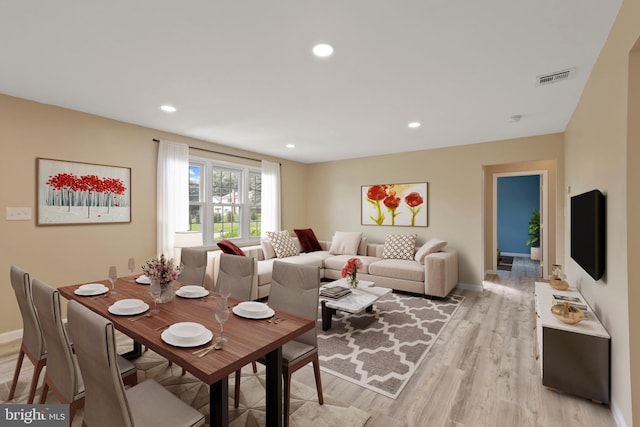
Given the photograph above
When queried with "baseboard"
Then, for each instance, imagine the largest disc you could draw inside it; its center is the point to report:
(7, 337)
(470, 287)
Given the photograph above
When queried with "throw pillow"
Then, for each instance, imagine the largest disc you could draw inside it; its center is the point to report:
(399, 246)
(432, 245)
(308, 240)
(283, 244)
(345, 243)
(228, 247)
(267, 248)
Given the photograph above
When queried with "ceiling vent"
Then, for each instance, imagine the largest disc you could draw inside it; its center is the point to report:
(558, 76)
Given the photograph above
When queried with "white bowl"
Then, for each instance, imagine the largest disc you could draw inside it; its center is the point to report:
(143, 279)
(92, 287)
(192, 290)
(253, 308)
(130, 305)
(186, 331)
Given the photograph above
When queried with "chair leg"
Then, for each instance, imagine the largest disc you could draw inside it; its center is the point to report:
(255, 368)
(73, 408)
(236, 394)
(316, 371)
(45, 390)
(34, 382)
(16, 374)
(286, 374)
(131, 379)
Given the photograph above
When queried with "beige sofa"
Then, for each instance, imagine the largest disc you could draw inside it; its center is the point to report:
(436, 277)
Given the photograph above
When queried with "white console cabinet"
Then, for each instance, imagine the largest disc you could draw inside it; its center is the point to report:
(574, 359)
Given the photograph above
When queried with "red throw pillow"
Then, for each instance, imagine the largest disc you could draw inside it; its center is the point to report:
(308, 240)
(228, 247)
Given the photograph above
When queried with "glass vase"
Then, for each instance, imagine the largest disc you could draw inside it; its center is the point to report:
(352, 280)
(167, 291)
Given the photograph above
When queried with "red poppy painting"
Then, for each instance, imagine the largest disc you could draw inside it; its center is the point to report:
(82, 193)
(395, 204)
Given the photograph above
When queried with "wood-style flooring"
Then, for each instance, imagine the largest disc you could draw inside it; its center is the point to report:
(481, 372)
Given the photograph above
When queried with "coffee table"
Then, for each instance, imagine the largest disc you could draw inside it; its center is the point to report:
(360, 299)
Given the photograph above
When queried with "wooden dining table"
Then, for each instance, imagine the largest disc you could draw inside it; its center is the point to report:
(248, 340)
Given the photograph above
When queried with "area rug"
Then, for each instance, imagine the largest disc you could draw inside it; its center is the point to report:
(305, 410)
(381, 350)
(505, 263)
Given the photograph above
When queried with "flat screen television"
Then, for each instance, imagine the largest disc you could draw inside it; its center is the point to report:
(588, 234)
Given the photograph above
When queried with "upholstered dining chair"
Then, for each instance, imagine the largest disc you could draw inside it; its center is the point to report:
(62, 374)
(295, 289)
(238, 273)
(107, 402)
(32, 339)
(194, 266)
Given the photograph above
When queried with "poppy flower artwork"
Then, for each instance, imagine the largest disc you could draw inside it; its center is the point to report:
(395, 204)
(82, 193)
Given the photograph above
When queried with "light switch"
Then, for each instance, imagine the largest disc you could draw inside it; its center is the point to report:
(18, 214)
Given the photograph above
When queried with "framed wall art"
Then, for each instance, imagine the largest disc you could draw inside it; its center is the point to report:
(82, 193)
(395, 204)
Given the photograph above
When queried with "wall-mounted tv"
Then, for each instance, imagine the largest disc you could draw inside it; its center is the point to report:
(588, 234)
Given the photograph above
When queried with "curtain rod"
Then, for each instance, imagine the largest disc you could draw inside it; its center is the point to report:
(224, 154)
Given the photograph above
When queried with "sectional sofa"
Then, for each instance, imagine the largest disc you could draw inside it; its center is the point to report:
(431, 271)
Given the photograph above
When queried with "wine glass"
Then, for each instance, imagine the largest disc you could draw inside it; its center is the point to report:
(224, 289)
(132, 265)
(155, 290)
(113, 276)
(221, 312)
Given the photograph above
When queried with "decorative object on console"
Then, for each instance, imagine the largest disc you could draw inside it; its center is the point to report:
(394, 204)
(162, 272)
(283, 244)
(350, 271)
(567, 313)
(399, 246)
(308, 240)
(82, 193)
(228, 247)
(558, 280)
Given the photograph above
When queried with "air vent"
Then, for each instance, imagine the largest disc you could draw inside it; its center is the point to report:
(558, 76)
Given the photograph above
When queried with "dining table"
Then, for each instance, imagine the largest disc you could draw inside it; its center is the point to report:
(248, 340)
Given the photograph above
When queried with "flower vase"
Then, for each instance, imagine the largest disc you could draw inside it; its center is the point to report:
(167, 291)
(352, 280)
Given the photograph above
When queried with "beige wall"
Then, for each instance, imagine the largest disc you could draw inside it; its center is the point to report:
(62, 255)
(455, 200)
(597, 146)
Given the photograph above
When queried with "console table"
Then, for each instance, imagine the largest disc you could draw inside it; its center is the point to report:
(574, 359)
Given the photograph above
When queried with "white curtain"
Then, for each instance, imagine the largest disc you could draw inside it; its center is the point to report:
(172, 195)
(270, 197)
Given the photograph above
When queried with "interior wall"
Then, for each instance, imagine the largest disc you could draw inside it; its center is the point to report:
(455, 200)
(518, 197)
(597, 150)
(62, 255)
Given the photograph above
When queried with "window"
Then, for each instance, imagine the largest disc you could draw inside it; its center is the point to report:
(224, 200)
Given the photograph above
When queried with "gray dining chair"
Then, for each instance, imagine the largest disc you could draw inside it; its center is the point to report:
(32, 345)
(107, 402)
(62, 374)
(295, 289)
(194, 266)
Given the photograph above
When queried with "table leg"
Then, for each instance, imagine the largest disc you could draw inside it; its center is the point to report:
(274, 388)
(327, 313)
(219, 403)
(135, 353)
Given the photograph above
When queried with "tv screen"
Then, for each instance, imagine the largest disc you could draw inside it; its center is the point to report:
(588, 239)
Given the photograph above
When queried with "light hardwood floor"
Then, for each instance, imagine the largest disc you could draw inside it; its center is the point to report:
(481, 371)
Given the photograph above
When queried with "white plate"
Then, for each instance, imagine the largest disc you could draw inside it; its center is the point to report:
(143, 280)
(253, 307)
(192, 291)
(128, 305)
(91, 289)
(267, 313)
(170, 339)
(186, 331)
(117, 311)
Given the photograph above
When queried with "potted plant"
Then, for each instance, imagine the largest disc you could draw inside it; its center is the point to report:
(534, 234)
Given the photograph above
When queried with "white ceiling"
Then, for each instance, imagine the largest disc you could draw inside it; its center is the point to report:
(241, 73)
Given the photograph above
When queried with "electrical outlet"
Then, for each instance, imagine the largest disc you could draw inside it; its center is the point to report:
(18, 214)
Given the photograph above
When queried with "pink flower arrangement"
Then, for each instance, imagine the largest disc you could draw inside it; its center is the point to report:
(163, 270)
(350, 270)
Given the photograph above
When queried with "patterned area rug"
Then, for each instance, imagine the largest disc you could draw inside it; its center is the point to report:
(382, 349)
(305, 410)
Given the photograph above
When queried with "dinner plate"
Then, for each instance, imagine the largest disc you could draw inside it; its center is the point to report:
(192, 291)
(143, 280)
(253, 307)
(113, 309)
(170, 339)
(91, 289)
(237, 310)
(186, 331)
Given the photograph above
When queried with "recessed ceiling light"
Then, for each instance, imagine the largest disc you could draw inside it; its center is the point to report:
(414, 125)
(291, 145)
(168, 108)
(323, 50)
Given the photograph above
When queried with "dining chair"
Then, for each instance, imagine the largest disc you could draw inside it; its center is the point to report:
(194, 266)
(295, 289)
(62, 374)
(32, 345)
(108, 403)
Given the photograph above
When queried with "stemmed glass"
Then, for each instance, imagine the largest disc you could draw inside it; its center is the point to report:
(155, 290)
(224, 290)
(113, 276)
(132, 265)
(221, 312)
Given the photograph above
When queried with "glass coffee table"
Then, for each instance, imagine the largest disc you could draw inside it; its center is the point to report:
(360, 299)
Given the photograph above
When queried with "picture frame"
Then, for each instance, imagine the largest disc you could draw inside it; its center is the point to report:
(404, 205)
(82, 193)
